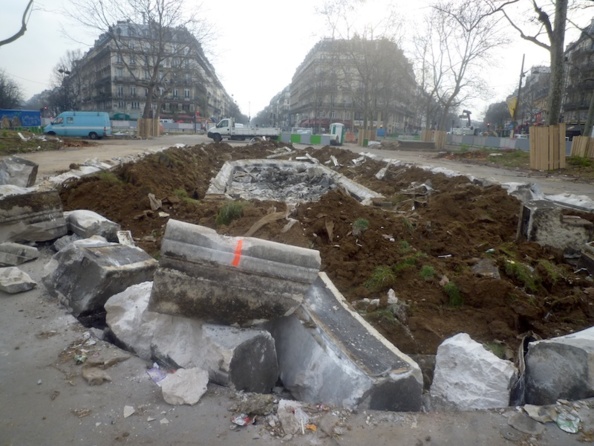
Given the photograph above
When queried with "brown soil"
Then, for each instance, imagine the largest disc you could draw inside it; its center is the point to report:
(413, 243)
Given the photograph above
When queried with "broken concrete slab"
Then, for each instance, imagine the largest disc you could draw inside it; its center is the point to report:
(84, 275)
(12, 254)
(88, 223)
(18, 171)
(467, 376)
(30, 215)
(291, 181)
(185, 386)
(229, 280)
(543, 222)
(244, 359)
(13, 280)
(329, 353)
(560, 368)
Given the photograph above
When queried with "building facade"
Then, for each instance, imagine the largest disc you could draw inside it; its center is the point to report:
(357, 82)
(122, 71)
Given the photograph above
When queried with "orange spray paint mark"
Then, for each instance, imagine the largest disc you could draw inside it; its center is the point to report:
(237, 256)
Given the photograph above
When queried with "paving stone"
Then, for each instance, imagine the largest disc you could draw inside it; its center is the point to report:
(84, 275)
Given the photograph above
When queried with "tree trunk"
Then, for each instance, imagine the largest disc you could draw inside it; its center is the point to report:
(590, 118)
(557, 63)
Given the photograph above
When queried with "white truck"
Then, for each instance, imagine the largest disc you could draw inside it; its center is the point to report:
(227, 128)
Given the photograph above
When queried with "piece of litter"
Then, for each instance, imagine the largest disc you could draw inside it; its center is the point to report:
(568, 423)
(243, 420)
(149, 419)
(39, 382)
(164, 421)
(128, 410)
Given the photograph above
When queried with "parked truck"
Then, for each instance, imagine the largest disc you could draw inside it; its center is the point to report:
(228, 128)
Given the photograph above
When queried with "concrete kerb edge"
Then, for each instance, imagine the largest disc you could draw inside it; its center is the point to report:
(219, 184)
(415, 370)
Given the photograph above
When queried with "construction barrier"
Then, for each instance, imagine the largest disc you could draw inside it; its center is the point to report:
(582, 146)
(547, 147)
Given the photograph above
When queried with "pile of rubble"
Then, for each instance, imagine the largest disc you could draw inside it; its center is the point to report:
(245, 313)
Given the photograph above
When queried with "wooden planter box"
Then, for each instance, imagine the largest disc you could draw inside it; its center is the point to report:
(582, 146)
(547, 147)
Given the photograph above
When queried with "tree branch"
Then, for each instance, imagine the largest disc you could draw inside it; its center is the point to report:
(21, 32)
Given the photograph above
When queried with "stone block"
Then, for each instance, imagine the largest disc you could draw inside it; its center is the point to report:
(244, 359)
(329, 353)
(12, 254)
(560, 368)
(229, 280)
(88, 223)
(467, 376)
(543, 222)
(29, 215)
(13, 280)
(18, 171)
(84, 275)
(185, 386)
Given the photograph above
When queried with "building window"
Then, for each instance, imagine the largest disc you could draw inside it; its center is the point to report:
(132, 59)
(119, 72)
(186, 92)
(133, 92)
(146, 92)
(120, 91)
(135, 105)
(175, 92)
(186, 107)
(122, 105)
(119, 58)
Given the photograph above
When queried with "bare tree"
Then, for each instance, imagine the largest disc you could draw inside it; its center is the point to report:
(20, 32)
(152, 38)
(10, 93)
(66, 82)
(461, 37)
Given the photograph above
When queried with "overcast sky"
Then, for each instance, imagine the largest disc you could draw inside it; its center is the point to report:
(259, 45)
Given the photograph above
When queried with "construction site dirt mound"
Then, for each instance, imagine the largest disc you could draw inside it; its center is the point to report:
(446, 246)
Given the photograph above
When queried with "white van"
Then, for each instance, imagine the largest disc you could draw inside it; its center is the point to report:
(94, 125)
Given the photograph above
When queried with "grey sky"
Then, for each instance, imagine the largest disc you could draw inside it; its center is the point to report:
(258, 46)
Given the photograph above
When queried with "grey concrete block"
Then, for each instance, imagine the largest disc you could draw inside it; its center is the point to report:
(29, 215)
(84, 276)
(327, 352)
(229, 279)
(18, 171)
(88, 223)
(543, 222)
(244, 359)
(560, 368)
(13, 280)
(12, 254)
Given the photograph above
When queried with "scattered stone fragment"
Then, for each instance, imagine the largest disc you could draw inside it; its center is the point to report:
(95, 376)
(12, 254)
(88, 223)
(128, 411)
(255, 404)
(542, 414)
(185, 386)
(524, 423)
(486, 268)
(125, 238)
(467, 376)
(13, 280)
(18, 171)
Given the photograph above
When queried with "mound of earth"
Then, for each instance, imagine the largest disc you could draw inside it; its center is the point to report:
(423, 241)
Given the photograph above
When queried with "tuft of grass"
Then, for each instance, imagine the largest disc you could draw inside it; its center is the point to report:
(453, 293)
(524, 274)
(580, 161)
(182, 194)
(109, 177)
(360, 225)
(427, 272)
(404, 247)
(551, 271)
(496, 348)
(232, 210)
(382, 277)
